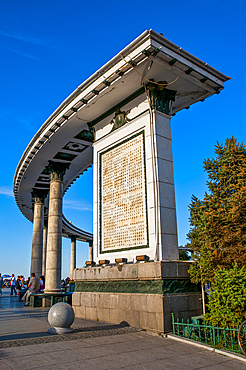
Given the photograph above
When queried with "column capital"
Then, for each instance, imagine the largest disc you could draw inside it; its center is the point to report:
(160, 96)
(57, 170)
(73, 238)
(39, 195)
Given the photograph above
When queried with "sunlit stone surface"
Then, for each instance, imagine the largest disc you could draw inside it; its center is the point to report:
(60, 317)
(123, 199)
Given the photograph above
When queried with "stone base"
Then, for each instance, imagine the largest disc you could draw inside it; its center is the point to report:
(144, 299)
(59, 330)
(46, 302)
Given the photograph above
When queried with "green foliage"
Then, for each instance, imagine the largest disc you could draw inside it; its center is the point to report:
(218, 229)
(184, 256)
(227, 302)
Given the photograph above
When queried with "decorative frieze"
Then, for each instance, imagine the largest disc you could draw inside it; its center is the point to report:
(160, 286)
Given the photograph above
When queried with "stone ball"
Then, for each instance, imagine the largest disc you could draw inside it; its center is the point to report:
(61, 315)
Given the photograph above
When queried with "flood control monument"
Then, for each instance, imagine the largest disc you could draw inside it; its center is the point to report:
(118, 121)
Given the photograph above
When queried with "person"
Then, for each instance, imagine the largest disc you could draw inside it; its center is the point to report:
(12, 285)
(33, 288)
(1, 283)
(23, 281)
(18, 284)
(41, 284)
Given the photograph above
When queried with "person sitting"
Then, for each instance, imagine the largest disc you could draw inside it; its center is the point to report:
(41, 284)
(33, 288)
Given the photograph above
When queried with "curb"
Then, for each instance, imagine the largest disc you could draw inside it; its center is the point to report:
(207, 347)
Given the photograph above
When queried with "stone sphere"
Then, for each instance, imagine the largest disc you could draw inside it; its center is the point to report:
(61, 315)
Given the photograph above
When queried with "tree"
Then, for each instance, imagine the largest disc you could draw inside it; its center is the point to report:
(218, 222)
(227, 301)
(184, 255)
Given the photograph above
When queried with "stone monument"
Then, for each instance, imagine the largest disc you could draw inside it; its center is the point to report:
(135, 275)
(119, 121)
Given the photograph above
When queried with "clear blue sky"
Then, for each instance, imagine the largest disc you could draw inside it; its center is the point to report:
(48, 48)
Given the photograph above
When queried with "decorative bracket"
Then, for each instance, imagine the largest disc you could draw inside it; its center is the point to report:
(120, 119)
(160, 97)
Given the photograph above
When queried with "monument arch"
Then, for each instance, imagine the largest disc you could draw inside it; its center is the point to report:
(119, 121)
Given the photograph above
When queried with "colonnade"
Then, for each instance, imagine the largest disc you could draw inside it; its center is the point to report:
(46, 256)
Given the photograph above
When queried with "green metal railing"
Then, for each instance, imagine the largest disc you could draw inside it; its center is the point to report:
(220, 338)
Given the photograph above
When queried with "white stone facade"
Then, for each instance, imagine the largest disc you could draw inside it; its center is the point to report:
(157, 211)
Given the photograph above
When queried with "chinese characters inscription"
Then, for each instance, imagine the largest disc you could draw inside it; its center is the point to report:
(123, 196)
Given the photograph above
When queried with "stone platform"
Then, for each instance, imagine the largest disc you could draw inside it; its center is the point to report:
(142, 294)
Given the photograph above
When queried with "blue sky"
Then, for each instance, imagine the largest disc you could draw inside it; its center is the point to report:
(48, 48)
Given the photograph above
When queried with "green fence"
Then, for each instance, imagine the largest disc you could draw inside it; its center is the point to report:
(220, 338)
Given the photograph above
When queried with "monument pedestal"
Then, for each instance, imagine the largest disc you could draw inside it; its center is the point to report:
(142, 294)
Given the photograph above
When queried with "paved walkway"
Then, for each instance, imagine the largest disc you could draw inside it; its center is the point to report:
(25, 344)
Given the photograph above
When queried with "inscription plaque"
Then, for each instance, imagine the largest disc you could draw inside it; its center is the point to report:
(122, 201)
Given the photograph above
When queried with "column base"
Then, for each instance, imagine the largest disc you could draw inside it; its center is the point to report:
(50, 291)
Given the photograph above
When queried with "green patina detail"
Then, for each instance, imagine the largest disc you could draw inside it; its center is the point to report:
(85, 135)
(160, 97)
(57, 170)
(65, 156)
(120, 119)
(165, 286)
(39, 195)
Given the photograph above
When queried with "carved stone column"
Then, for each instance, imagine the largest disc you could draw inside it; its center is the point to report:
(37, 236)
(45, 232)
(91, 251)
(72, 256)
(54, 240)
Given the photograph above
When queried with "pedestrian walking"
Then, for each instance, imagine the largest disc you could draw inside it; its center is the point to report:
(1, 283)
(12, 285)
(18, 285)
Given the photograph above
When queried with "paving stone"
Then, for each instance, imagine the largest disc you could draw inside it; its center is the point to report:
(74, 365)
(14, 352)
(227, 365)
(26, 362)
(84, 343)
(95, 345)
(115, 361)
(59, 357)
(95, 351)
(138, 367)
(44, 347)
(50, 367)
(3, 366)
(153, 354)
(200, 359)
(167, 364)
